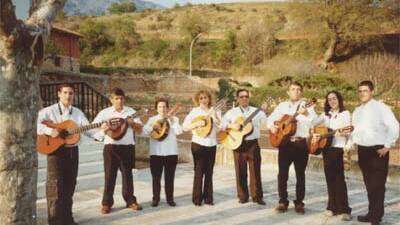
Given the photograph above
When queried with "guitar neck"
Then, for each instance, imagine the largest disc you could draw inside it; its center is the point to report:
(248, 120)
(86, 128)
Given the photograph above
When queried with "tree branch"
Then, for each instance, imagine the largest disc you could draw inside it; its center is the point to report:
(8, 19)
(44, 12)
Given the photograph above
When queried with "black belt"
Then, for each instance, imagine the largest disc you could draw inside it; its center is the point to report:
(296, 139)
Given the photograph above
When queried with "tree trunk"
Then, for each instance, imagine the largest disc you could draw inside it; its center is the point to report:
(18, 158)
(21, 54)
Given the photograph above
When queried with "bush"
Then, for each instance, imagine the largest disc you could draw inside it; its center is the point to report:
(123, 7)
(257, 43)
(96, 39)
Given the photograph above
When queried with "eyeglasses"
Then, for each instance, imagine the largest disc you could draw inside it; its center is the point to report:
(244, 96)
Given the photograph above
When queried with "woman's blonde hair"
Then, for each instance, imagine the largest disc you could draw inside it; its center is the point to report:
(196, 99)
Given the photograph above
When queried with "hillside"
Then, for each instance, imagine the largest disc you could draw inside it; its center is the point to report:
(244, 39)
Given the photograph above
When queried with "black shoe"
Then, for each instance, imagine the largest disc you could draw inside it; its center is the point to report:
(209, 203)
(154, 203)
(243, 201)
(171, 203)
(363, 218)
(366, 219)
(197, 203)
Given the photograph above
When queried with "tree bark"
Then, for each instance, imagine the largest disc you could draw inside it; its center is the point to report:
(21, 54)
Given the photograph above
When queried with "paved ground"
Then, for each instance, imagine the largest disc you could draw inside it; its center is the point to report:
(226, 209)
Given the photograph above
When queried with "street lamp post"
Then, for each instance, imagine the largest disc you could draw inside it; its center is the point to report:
(191, 47)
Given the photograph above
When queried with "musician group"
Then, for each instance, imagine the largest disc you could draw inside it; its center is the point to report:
(372, 128)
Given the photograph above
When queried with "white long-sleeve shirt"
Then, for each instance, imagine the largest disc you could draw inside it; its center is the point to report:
(233, 114)
(58, 113)
(211, 139)
(169, 145)
(374, 124)
(336, 120)
(304, 123)
(110, 112)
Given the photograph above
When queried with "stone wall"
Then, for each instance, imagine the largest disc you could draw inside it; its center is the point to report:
(63, 63)
(181, 86)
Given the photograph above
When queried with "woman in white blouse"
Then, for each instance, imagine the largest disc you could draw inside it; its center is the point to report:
(335, 117)
(164, 153)
(203, 149)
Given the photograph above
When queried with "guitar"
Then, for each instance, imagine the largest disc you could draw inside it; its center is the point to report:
(326, 137)
(287, 126)
(69, 133)
(163, 125)
(205, 130)
(232, 138)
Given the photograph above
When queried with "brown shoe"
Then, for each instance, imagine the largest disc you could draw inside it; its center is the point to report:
(135, 206)
(281, 208)
(105, 209)
(299, 208)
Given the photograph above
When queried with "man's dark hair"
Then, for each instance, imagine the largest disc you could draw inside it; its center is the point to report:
(117, 92)
(367, 83)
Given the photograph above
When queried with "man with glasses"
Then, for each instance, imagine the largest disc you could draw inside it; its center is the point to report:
(375, 131)
(248, 153)
(294, 150)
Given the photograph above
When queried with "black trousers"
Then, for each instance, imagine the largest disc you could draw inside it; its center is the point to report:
(204, 160)
(118, 157)
(296, 153)
(335, 180)
(62, 170)
(375, 171)
(157, 165)
(248, 153)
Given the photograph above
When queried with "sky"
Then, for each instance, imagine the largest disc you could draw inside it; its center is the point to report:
(22, 6)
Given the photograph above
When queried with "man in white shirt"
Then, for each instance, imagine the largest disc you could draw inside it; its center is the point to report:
(375, 131)
(248, 153)
(295, 149)
(118, 154)
(62, 165)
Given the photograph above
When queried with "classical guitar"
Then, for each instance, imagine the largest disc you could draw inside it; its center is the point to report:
(326, 138)
(205, 130)
(69, 133)
(286, 126)
(163, 125)
(232, 138)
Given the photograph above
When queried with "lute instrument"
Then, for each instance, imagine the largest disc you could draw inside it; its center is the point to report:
(163, 125)
(205, 130)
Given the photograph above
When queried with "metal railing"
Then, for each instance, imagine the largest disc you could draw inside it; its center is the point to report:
(87, 98)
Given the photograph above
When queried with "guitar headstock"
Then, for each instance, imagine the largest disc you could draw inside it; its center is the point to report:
(220, 104)
(175, 109)
(347, 129)
(310, 103)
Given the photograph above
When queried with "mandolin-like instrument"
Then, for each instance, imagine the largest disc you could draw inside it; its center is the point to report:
(163, 126)
(205, 130)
